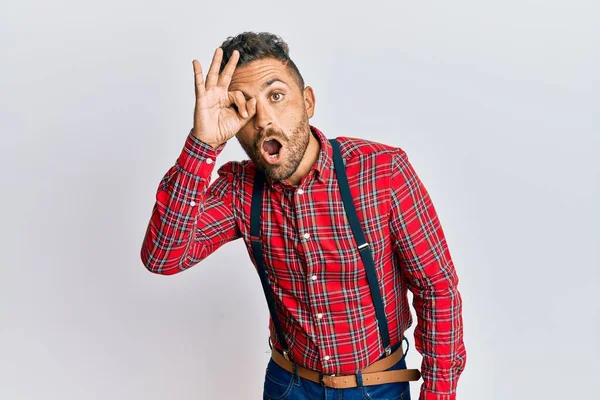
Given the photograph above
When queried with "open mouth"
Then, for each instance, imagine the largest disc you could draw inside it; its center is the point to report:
(272, 149)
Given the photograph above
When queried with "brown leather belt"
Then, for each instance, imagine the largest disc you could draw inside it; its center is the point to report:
(373, 374)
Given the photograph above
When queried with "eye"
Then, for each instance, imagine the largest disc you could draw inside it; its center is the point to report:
(277, 96)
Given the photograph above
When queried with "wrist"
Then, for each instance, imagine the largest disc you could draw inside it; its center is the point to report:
(212, 144)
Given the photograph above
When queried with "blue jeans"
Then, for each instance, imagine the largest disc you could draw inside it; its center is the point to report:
(281, 384)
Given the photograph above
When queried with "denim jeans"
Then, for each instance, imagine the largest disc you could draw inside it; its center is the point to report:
(281, 384)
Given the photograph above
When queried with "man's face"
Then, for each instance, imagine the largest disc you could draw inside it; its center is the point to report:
(276, 138)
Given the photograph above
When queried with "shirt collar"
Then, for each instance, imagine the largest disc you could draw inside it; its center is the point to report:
(322, 166)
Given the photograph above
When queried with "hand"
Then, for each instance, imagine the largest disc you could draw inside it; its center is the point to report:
(215, 120)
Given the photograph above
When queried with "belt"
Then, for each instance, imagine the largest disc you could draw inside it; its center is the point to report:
(373, 374)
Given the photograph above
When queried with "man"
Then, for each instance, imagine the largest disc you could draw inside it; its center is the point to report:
(338, 231)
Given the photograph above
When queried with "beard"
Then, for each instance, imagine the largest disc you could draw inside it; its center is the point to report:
(295, 144)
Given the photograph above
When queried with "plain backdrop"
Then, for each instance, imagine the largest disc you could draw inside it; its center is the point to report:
(496, 104)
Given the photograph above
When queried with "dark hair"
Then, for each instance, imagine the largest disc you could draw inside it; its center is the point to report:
(257, 46)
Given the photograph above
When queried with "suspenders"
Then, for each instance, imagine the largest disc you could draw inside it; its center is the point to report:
(363, 247)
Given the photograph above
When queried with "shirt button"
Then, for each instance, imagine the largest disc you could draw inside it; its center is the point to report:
(300, 191)
(326, 358)
(209, 161)
(192, 203)
(319, 315)
(306, 235)
(314, 277)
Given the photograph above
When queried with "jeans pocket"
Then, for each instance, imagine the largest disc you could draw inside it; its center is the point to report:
(278, 382)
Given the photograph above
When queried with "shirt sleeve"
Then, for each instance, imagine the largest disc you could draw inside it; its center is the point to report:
(190, 218)
(421, 246)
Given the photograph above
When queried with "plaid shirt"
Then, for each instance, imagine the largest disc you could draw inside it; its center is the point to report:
(313, 264)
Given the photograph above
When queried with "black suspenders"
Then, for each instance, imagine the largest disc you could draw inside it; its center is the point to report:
(363, 247)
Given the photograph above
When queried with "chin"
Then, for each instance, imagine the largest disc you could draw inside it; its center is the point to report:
(278, 173)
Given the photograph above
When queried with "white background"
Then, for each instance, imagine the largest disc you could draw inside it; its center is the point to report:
(496, 104)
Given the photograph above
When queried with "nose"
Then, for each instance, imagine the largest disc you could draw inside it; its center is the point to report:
(263, 117)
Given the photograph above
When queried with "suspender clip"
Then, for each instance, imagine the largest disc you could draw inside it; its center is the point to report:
(388, 351)
(285, 354)
(362, 246)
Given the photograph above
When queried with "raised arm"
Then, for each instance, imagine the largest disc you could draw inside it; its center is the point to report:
(421, 247)
(192, 218)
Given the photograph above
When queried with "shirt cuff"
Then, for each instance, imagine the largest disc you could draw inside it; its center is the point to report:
(198, 158)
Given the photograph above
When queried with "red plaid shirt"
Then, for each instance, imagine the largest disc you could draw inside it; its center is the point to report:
(313, 264)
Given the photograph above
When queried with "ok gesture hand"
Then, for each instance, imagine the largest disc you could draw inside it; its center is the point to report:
(215, 120)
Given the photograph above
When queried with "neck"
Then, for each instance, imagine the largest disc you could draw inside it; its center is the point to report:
(310, 157)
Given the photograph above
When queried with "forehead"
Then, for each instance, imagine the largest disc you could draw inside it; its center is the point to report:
(255, 73)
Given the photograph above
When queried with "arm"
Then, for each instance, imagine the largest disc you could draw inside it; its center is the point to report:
(190, 219)
(421, 247)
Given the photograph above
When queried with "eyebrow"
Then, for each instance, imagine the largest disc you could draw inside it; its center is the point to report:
(265, 85)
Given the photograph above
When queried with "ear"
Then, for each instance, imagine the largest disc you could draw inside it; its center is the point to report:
(309, 101)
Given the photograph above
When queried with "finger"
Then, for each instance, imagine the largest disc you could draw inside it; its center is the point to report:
(238, 98)
(198, 78)
(213, 72)
(227, 73)
(250, 108)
